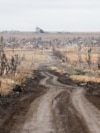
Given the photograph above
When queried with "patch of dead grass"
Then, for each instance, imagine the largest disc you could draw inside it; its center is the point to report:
(85, 78)
(24, 70)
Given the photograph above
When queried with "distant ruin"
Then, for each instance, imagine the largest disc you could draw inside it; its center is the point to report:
(38, 30)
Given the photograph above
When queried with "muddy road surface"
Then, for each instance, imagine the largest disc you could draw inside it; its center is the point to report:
(39, 118)
(62, 109)
(50, 106)
(90, 113)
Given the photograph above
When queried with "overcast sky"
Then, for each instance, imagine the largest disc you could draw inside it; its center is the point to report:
(50, 15)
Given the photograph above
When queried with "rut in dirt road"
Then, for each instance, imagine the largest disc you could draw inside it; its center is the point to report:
(39, 118)
(87, 111)
(53, 112)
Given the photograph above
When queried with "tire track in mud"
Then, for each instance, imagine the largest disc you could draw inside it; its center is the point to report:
(66, 118)
(60, 110)
(89, 114)
(39, 117)
(87, 111)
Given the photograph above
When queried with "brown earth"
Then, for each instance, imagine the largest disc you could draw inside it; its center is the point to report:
(16, 104)
(51, 106)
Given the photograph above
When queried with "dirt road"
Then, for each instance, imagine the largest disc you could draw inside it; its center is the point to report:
(59, 110)
(89, 113)
(39, 117)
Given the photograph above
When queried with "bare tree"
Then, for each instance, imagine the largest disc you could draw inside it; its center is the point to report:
(79, 55)
(88, 59)
(98, 60)
(12, 64)
(1, 56)
(6, 67)
(4, 64)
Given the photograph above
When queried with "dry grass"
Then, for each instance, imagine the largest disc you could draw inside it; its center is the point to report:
(32, 58)
(71, 52)
(29, 55)
(6, 86)
(85, 78)
(57, 69)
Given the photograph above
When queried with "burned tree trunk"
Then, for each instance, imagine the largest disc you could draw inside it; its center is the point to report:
(89, 58)
(1, 55)
(98, 63)
(6, 67)
(79, 56)
(3, 64)
(3, 59)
